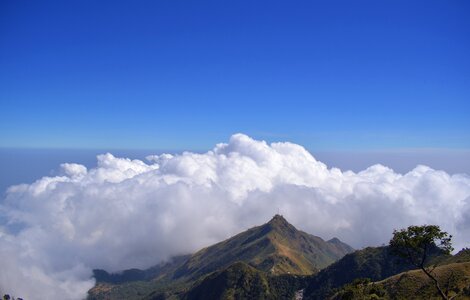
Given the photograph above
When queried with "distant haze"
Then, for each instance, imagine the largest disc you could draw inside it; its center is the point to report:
(401, 161)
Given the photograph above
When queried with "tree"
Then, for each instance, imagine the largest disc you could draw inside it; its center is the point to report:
(415, 245)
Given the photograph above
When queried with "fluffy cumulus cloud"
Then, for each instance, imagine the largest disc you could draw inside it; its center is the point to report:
(128, 213)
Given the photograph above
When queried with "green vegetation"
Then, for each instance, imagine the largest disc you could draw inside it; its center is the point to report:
(415, 244)
(361, 289)
(374, 263)
(240, 281)
(455, 278)
(462, 256)
(422, 247)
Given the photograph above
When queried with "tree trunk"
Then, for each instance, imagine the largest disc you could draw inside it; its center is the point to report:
(436, 283)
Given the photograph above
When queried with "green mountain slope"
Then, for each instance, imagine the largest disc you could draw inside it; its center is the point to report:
(241, 281)
(375, 263)
(276, 247)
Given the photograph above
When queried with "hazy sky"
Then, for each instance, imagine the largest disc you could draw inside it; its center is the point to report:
(330, 75)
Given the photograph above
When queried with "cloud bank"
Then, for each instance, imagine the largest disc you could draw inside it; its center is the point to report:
(127, 213)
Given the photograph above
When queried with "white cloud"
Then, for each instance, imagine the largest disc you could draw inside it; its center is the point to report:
(126, 213)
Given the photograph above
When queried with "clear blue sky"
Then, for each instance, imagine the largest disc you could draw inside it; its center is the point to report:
(175, 74)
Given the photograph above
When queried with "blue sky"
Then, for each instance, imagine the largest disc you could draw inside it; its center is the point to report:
(330, 75)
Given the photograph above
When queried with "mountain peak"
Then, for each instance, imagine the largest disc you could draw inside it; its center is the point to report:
(276, 247)
(279, 224)
(334, 240)
(278, 219)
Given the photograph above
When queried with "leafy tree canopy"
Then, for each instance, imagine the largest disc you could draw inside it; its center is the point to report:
(416, 242)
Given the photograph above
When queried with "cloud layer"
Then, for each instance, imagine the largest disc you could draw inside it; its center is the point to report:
(127, 213)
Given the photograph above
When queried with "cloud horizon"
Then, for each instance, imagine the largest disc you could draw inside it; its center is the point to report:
(127, 213)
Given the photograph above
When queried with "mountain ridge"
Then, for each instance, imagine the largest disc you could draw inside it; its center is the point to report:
(275, 248)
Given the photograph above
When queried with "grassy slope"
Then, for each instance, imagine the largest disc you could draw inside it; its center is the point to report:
(415, 284)
(412, 285)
